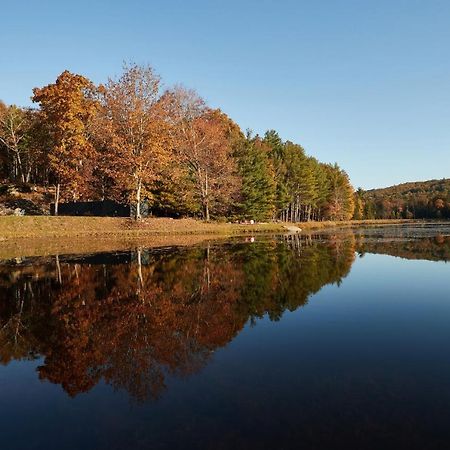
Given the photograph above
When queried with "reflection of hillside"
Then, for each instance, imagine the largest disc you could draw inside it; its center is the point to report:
(435, 248)
(131, 319)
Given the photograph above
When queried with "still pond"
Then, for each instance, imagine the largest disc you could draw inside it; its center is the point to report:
(334, 340)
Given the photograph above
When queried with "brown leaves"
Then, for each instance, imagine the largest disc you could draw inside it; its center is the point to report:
(124, 139)
(136, 139)
(69, 106)
(204, 145)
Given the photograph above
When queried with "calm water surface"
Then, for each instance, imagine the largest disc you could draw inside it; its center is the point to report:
(340, 340)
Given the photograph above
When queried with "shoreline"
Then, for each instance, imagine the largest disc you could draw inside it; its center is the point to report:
(28, 236)
(27, 227)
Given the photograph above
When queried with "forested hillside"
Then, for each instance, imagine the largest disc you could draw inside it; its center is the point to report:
(416, 200)
(130, 140)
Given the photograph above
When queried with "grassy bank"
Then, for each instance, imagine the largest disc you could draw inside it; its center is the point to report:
(15, 227)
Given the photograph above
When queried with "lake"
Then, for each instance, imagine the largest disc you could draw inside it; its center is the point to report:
(334, 340)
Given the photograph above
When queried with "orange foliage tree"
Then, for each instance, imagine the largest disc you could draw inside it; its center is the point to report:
(69, 105)
(204, 144)
(133, 133)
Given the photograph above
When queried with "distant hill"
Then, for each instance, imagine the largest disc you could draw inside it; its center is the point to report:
(431, 187)
(419, 199)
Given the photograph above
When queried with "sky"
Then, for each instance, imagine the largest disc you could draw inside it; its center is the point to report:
(365, 83)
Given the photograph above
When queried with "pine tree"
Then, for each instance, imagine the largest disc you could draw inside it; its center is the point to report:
(300, 182)
(276, 154)
(258, 182)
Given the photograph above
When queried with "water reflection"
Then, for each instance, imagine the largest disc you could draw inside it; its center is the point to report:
(132, 318)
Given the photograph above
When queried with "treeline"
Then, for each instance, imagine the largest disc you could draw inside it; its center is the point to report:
(419, 200)
(129, 141)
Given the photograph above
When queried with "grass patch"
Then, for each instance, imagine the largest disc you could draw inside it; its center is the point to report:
(16, 227)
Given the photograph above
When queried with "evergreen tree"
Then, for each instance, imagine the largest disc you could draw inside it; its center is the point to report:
(273, 140)
(322, 188)
(258, 182)
(300, 182)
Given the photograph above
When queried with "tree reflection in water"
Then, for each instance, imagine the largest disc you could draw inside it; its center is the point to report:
(132, 318)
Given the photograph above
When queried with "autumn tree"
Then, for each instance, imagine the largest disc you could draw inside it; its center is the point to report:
(204, 144)
(38, 142)
(24, 143)
(358, 213)
(15, 126)
(69, 105)
(133, 134)
(340, 197)
(12, 133)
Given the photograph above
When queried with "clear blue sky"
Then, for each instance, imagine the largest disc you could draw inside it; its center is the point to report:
(365, 83)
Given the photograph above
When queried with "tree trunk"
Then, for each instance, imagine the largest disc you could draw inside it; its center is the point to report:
(19, 166)
(138, 200)
(207, 211)
(28, 177)
(57, 198)
(206, 198)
